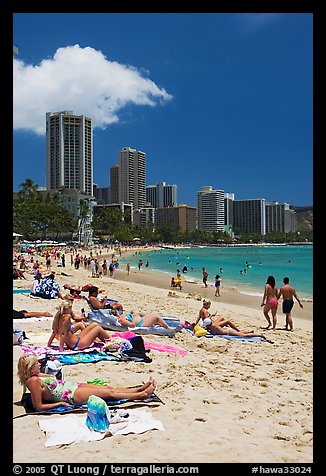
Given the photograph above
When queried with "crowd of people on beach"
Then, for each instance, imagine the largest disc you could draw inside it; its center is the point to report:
(74, 332)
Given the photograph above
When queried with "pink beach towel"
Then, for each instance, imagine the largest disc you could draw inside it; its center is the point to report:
(42, 350)
(164, 348)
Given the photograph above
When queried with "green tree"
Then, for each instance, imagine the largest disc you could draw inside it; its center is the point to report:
(38, 216)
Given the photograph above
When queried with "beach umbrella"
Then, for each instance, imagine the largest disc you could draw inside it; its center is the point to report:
(136, 239)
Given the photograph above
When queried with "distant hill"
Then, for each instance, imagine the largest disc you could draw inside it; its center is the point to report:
(304, 217)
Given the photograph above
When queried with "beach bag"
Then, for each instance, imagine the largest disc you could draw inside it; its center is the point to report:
(98, 414)
(137, 352)
(200, 331)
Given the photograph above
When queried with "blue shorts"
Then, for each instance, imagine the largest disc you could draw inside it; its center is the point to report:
(287, 306)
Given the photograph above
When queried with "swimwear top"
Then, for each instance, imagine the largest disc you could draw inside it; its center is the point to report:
(129, 317)
(61, 390)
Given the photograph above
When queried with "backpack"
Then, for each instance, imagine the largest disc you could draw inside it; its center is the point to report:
(137, 353)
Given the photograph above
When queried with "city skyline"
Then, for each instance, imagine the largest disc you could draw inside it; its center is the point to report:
(229, 107)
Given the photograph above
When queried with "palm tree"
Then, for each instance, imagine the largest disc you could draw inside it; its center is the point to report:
(28, 187)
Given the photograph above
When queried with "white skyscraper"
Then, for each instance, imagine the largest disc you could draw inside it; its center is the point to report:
(210, 209)
(69, 151)
(132, 177)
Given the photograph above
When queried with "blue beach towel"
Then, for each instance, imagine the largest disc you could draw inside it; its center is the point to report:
(85, 357)
(248, 339)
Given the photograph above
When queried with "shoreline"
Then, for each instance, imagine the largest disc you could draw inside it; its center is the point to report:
(242, 287)
(230, 296)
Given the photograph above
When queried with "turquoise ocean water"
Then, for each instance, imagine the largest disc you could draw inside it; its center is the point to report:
(296, 262)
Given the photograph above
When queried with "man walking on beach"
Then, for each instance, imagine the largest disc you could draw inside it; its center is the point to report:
(288, 293)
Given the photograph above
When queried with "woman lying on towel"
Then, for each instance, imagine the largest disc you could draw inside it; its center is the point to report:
(220, 325)
(135, 320)
(48, 392)
(66, 332)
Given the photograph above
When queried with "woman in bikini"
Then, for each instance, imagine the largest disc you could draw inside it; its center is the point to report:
(270, 301)
(220, 321)
(76, 341)
(78, 326)
(47, 392)
(220, 325)
(135, 320)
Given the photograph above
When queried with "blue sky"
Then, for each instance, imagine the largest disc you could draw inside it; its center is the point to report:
(220, 99)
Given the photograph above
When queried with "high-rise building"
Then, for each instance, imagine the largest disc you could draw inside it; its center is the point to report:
(250, 216)
(132, 177)
(101, 194)
(114, 183)
(161, 195)
(210, 209)
(69, 151)
(144, 217)
(280, 218)
(182, 217)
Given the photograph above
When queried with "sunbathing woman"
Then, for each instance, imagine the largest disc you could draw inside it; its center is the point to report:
(221, 321)
(214, 328)
(77, 326)
(24, 314)
(86, 336)
(135, 320)
(48, 392)
(220, 325)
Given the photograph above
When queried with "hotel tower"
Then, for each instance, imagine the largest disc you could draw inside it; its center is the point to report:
(69, 152)
(132, 177)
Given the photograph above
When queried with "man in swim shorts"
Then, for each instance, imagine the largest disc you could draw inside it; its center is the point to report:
(288, 293)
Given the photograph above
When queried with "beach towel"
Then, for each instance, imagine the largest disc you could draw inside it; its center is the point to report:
(72, 429)
(245, 338)
(164, 348)
(43, 350)
(26, 403)
(32, 319)
(86, 357)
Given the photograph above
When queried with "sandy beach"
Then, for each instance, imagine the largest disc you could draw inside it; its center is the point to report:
(225, 401)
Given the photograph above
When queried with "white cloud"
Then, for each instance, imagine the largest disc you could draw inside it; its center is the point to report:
(256, 21)
(81, 80)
